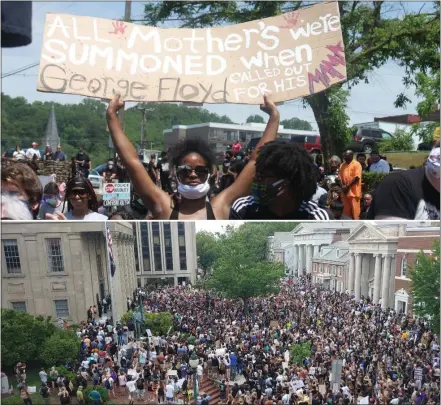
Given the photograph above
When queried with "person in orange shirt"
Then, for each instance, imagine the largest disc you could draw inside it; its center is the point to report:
(350, 177)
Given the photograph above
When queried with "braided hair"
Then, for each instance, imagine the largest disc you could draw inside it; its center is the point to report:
(291, 162)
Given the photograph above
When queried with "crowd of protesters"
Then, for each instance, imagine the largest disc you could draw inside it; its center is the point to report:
(276, 180)
(387, 357)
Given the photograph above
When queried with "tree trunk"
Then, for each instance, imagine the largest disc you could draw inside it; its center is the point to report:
(245, 305)
(319, 104)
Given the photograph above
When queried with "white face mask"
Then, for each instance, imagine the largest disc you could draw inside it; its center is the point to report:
(193, 192)
(433, 163)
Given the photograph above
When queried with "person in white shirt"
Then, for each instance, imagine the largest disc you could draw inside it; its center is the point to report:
(169, 392)
(33, 151)
(378, 165)
(19, 153)
(131, 386)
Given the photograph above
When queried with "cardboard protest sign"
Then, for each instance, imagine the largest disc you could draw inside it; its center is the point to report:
(288, 56)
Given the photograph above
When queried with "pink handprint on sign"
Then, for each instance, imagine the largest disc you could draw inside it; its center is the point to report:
(290, 19)
(119, 28)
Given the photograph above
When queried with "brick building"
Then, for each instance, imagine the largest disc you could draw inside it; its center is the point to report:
(370, 259)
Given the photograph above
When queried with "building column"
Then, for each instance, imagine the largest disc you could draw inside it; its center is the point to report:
(350, 286)
(295, 261)
(357, 288)
(309, 259)
(386, 281)
(377, 278)
(316, 250)
(393, 270)
(300, 268)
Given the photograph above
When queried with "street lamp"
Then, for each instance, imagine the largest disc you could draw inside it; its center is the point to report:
(194, 362)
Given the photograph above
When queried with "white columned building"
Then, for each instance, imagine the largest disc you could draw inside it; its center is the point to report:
(301, 245)
(371, 264)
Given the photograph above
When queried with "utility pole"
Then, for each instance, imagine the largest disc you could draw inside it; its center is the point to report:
(127, 18)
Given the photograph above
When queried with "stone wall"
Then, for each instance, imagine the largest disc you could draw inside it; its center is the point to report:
(63, 170)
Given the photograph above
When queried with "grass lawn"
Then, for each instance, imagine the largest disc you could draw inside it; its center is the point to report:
(406, 159)
(16, 400)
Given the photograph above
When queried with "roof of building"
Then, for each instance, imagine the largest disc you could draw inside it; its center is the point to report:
(329, 253)
(244, 127)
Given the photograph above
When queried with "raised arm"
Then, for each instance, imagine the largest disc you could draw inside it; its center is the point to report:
(153, 197)
(242, 186)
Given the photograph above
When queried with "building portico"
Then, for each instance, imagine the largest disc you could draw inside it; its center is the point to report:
(372, 264)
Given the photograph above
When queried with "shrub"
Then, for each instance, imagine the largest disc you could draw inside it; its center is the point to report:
(299, 352)
(69, 374)
(61, 347)
(103, 392)
(401, 142)
(15, 399)
(126, 317)
(370, 181)
(159, 323)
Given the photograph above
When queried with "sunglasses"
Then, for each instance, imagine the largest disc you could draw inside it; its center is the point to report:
(80, 193)
(185, 170)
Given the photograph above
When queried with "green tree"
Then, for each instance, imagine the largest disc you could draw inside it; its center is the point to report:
(206, 249)
(296, 123)
(373, 34)
(401, 142)
(258, 119)
(242, 269)
(63, 346)
(425, 285)
(23, 335)
(300, 352)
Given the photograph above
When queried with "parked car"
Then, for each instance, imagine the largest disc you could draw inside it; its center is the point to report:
(9, 153)
(311, 143)
(95, 175)
(367, 139)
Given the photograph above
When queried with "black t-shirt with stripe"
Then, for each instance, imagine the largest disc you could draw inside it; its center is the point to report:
(248, 208)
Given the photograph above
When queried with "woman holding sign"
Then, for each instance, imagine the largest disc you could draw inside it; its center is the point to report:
(193, 163)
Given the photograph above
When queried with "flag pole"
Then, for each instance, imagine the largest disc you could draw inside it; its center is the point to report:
(110, 259)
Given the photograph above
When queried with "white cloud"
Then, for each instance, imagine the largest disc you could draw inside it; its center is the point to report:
(215, 226)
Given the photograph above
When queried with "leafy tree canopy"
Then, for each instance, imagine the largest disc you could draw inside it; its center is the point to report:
(241, 268)
(300, 352)
(23, 336)
(296, 123)
(258, 119)
(425, 284)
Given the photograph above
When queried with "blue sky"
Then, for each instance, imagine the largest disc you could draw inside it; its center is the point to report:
(366, 100)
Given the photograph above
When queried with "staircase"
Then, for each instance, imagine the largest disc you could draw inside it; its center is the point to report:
(206, 387)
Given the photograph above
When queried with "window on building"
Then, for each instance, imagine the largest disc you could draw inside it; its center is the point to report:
(12, 257)
(61, 309)
(138, 281)
(340, 271)
(182, 250)
(182, 280)
(403, 266)
(157, 246)
(19, 306)
(55, 255)
(334, 272)
(168, 247)
(145, 246)
(401, 307)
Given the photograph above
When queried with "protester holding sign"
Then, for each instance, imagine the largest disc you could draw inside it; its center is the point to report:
(193, 163)
(81, 200)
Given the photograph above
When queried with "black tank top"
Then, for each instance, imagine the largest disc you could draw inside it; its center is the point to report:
(210, 214)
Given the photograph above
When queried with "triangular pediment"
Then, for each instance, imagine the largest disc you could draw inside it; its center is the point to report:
(366, 232)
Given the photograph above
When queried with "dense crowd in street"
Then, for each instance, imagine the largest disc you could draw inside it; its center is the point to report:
(387, 358)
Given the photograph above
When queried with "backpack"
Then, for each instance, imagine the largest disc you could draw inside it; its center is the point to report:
(44, 392)
(222, 366)
(107, 385)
